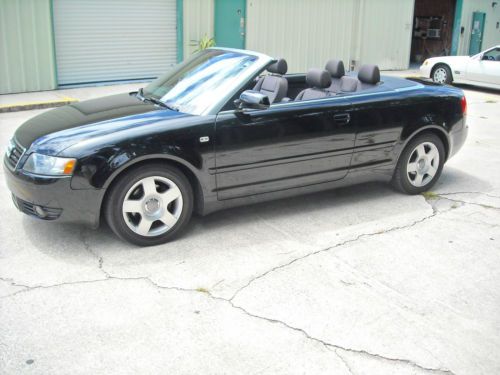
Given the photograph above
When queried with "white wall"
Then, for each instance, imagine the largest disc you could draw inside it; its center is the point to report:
(308, 33)
(491, 33)
(385, 28)
(198, 21)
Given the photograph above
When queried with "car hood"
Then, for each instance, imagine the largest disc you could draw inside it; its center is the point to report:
(53, 131)
(78, 114)
(449, 59)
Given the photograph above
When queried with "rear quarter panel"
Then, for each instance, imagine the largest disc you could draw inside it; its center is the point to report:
(386, 123)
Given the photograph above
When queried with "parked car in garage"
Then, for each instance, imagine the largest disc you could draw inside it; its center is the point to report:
(482, 69)
(225, 128)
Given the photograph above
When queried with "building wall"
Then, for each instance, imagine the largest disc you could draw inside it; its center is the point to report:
(491, 32)
(305, 33)
(26, 46)
(384, 33)
(308, 33)
(198, 20)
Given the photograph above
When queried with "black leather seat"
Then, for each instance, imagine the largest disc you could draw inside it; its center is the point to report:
(274, 85)
(368, 77)
(337, 71)
(319, 80)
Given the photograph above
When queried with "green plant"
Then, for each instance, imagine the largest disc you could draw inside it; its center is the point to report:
(429, 195)
(205, 42)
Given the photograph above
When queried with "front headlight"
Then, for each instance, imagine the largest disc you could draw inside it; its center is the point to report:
(426, 62)
(49, 165)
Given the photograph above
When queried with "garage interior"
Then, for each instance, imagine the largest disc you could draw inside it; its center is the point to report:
(432, 29)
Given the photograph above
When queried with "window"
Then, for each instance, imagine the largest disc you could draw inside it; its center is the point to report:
(202, 80)
(492, 55)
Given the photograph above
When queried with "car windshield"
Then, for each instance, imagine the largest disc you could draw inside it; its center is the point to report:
(195, 85)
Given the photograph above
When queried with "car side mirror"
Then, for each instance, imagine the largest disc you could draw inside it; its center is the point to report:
(484, 57)
(251, 99)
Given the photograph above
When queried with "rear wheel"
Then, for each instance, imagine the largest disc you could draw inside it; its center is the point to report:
(442, 74)
(420, 164)
(149, 205)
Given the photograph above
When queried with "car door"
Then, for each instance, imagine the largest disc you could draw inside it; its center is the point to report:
(284, 146)
(485, 68)
(380, 118)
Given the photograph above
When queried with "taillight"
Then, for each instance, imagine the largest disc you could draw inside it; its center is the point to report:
(463, 103)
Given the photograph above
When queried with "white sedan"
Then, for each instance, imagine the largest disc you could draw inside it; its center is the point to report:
(482, 69)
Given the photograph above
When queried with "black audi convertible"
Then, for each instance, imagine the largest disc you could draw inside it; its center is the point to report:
(229, 127)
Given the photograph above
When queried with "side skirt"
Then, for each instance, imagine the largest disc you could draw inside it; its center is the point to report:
(358, 176)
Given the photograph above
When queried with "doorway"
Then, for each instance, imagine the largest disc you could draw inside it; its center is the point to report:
(230, 17)
(432, 29)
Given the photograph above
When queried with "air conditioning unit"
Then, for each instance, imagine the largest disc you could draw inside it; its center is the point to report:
(434, 33)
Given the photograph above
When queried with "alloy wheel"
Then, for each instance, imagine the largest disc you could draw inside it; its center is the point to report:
(423, 164)
(152, 206)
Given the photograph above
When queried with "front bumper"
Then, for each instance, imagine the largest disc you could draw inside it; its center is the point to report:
(425, 71)
(51, 198)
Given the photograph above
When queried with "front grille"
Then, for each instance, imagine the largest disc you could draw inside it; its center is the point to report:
(14, 153)
(45, 213)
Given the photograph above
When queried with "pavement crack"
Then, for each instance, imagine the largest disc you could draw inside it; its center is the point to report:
(469, 192)
(346, 364)
(13, 283)
(336, 347)
(304, 333)
(36, 287)
(88, 248)
(350, 241)
(468, 202)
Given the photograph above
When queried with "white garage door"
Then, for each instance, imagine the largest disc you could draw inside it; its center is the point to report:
(113, 40)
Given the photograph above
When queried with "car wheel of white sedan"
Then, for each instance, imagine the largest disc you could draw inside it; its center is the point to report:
(442, 74)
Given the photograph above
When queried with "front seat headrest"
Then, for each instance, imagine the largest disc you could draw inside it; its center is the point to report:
(278, 67)
(336, 68)
(369, 74)
(318, 78)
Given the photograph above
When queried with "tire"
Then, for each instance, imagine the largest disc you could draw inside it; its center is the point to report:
(442, 74)
(149, 205)
(420, 164)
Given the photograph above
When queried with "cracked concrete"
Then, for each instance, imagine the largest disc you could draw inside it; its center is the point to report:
(361, 280)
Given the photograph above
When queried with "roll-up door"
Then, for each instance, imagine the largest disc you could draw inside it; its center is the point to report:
(113, 40)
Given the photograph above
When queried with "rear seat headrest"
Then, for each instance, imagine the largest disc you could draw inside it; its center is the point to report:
(369, 74)
(318, 78)
(336, 68)
(278, 67)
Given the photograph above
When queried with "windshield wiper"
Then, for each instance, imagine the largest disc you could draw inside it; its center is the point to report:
(152, 99)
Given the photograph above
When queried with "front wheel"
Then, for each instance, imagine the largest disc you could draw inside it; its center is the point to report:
(419, 165)
(442, 74)
(149, 205)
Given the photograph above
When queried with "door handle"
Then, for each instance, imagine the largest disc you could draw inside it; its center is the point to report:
(342, 118)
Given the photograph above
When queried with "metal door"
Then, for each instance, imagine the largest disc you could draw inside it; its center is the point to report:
(230, 23)
(476, 36)
(114, 40)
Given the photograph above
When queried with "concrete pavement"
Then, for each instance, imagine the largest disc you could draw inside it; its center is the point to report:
(361, 280)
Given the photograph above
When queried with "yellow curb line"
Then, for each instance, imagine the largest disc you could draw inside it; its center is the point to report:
(47, 102)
